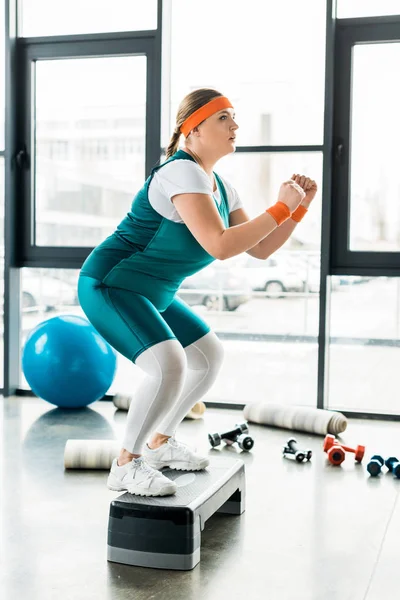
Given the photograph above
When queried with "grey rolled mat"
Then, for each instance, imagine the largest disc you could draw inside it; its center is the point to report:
(90, 454)
(123, 401)
(297, 418)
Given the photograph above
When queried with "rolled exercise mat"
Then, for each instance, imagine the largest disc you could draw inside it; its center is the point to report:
(298, 418)
(123, 401)
(90, 454)
(197, 411)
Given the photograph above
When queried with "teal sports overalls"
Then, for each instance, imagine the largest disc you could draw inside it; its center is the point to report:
(127, 286)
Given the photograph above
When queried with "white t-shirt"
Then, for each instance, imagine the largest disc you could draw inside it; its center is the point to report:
(182, 176)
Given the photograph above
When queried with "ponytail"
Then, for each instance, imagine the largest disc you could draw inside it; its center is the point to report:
(174, 143)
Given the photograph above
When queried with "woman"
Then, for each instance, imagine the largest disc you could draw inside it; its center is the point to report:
(184, 217)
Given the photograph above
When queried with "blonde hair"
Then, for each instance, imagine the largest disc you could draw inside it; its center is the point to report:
(187, 107)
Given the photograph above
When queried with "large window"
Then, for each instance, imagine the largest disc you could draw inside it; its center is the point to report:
(47, 17)
(266, 312)
(91, 119)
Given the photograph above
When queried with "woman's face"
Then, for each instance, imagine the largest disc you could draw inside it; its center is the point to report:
(218, 132)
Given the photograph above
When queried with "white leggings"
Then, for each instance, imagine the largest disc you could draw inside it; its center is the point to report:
(176, 379)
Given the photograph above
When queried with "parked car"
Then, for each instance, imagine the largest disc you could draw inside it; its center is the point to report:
(309, 266)
(308, 269)
(216, 287)
(41, 290)
(353, 279)
(273, 276)
(285, 272)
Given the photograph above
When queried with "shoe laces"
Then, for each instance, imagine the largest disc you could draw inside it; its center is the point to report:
(174, 442)
(140, 463)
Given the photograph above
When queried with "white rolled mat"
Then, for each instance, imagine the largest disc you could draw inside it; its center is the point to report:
(123, 402)
(298, 418)
(90, 454)
(197, 411)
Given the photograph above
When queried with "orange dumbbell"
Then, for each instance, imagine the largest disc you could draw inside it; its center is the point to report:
(336, 450)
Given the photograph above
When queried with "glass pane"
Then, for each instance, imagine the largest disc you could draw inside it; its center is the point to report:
(2, 74)
(270, 306)
(375, 153)
(90, 146)
(367, 8)
(46, 293)
(290, 351)
(257, 178)
(258, 58)
(46, 17)
(1, 269)
(364, 348)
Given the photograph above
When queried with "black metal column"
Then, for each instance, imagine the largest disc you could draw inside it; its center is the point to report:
(324, 298)
(11, 273)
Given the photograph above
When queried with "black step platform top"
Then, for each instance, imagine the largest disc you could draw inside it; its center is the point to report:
(194, 487)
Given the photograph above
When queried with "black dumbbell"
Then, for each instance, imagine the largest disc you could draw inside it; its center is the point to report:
(238, 434)
(374, 467)
(393, 465)
(291, 449)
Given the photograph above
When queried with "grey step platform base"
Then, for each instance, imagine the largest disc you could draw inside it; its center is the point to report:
(165, 532)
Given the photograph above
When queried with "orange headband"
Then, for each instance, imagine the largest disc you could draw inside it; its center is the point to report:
(203, 113)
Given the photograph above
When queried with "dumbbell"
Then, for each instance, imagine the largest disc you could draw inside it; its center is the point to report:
(336, 455)
(336, 451)
(292, 448)
(374, 467)
(393, 465)
(238, 434)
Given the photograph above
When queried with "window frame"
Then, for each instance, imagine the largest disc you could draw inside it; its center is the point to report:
(350, 32)
(30, 50)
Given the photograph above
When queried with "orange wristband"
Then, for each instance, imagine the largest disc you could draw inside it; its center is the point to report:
(299, 213)
(280, 212)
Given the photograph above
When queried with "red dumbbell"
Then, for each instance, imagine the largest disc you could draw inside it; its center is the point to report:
(336, 455)
(336, 450)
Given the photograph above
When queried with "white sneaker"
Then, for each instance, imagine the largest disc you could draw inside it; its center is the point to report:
(137, 477)
(175, 455)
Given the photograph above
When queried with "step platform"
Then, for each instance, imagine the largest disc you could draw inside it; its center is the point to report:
(165, 532)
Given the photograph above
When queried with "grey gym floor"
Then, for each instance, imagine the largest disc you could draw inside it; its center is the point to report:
(309, 532)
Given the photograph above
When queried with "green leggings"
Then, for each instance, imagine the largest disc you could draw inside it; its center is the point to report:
(131, 323)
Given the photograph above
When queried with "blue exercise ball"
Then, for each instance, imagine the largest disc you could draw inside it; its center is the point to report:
(67, 362)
